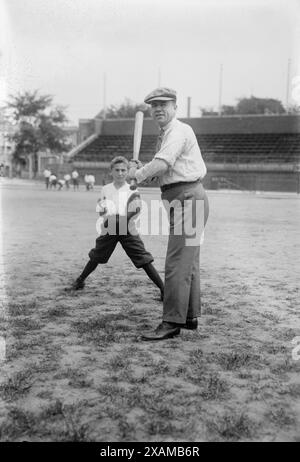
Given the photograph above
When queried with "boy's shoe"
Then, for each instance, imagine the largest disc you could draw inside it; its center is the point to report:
(78, 284)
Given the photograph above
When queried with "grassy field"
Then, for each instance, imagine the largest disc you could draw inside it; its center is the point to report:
(75, 367)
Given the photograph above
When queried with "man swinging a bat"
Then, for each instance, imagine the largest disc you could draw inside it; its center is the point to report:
(180, 167)
(118, 207)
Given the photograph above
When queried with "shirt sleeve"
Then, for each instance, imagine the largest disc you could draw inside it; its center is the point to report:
(156, 167)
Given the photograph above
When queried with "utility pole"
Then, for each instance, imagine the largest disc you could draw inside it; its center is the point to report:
(220, 89)
(188, 107)
(104, 95)
(287, 100)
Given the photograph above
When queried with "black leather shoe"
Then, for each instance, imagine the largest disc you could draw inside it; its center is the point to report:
(163, 331)
(191, 324)
(78, 284)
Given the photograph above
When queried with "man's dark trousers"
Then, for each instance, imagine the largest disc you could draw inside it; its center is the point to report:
(182, 267)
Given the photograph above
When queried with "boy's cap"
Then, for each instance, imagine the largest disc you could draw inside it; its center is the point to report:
(161, 94)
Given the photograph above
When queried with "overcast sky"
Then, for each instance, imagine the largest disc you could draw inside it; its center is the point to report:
(64, 48)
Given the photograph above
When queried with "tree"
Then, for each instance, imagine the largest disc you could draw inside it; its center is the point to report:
(39, 126)
(208, 112)
(255, 105)
(228, 110)
(249, 106)
(125, 110)
(225, 110)
(294, 109)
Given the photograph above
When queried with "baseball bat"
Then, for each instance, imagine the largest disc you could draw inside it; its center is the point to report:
(137, 137)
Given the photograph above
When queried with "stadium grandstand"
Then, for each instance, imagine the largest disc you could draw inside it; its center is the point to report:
(241, 152)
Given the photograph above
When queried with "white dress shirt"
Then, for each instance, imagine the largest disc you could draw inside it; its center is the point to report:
(179, 155)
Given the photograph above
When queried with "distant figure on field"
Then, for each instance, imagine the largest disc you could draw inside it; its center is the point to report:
(86, 181)
(60, 183)
(91, 181)
(52, 181)
(67, 178)
(75, 179)
(47, 174)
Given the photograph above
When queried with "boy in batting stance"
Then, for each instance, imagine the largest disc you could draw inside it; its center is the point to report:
(118, 207)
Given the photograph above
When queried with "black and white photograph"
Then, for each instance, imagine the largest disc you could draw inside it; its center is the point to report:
(149, 223)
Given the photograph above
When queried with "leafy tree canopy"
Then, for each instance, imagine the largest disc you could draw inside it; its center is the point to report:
(255, 105)
(252, 105)
(39, 124)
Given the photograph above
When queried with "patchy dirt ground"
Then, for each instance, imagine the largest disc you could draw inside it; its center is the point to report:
(75, 368)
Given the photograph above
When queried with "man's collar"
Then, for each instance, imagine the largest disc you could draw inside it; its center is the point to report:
(169, 125)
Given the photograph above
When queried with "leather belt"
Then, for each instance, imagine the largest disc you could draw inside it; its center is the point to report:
(165, 187)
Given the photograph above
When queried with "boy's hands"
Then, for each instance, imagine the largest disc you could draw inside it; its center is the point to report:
(101, 207)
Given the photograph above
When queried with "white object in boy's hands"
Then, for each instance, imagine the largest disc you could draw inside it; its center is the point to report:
(101, 207)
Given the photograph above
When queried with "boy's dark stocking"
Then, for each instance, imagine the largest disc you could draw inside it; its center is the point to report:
(78, 284)
(88, 269)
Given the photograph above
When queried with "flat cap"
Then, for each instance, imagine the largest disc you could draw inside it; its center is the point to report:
(161, 94)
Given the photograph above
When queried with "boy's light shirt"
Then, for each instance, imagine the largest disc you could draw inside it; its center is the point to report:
(115, 201)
